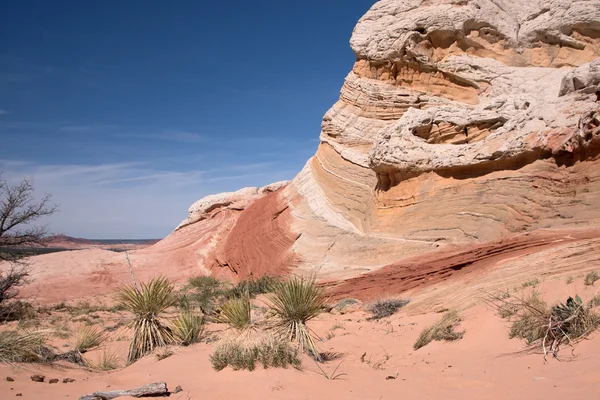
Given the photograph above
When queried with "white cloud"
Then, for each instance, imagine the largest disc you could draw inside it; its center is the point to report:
(130, 200)
(4, 112)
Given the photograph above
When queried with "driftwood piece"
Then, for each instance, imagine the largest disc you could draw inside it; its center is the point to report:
(156, 389)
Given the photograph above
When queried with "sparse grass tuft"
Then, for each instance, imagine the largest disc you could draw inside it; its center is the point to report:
(530, 283)
(18, 346)
(569, 280)
(164, 352)
(147, 303)
(88, 337)
(444, 329)
(240, 355)
(386, 307)
(235, 312)
(594, 302)
(188, 327)
(294, 303)
(343, 304)
(591, 278)
(108, 361)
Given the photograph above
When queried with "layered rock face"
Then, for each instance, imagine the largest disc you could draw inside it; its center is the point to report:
(463, 122)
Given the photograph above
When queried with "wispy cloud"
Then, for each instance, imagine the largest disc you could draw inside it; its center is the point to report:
(130, 199)
(4, 112)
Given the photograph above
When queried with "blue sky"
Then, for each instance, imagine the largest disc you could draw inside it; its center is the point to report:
(129, 111)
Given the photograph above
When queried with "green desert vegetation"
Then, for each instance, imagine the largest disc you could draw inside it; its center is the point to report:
(293, 303)
(385, 307)
(236, 313)
(147, 303)
(549, 327)
(188, 327)
(241, 353)
(444, 329)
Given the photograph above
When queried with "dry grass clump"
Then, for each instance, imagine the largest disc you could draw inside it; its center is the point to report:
(188, 327)
(18, 346)
(88, 337)
(164, 352)
(147, 303)
(541, 325)
(444, 329)
(236, 313)
(385, 307)
(294, 303)
(268, 351)
(108, 361)
(591, 278)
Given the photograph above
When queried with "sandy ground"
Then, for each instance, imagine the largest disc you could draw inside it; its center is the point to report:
(485, 364)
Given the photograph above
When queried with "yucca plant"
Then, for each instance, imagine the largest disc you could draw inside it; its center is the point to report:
(293, 303)
(146, 304)
(88, 337)
(188, 327)
(236, 313)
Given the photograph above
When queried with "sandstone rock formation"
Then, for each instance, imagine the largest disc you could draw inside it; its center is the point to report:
(462, 122)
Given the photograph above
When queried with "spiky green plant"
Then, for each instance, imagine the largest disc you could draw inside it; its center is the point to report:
(235, 312)
(146, 303)
(293, 303)
(188, 327)
(88, 337)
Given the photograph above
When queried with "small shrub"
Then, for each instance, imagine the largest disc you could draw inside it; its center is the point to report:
(108, 361)
(569, 280)
(240, 355)
(294, 303)
(591, 278)
(385, 308)
(236, 313)
(88, 337)
(204, 292)
(16, 310)
(187, 328)
(147, 303)
(253, 287)
(507, 310)
(16, 346)
(549, 327)
(444, 329)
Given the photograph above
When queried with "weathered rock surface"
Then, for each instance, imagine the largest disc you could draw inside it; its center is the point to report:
(462, 122)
